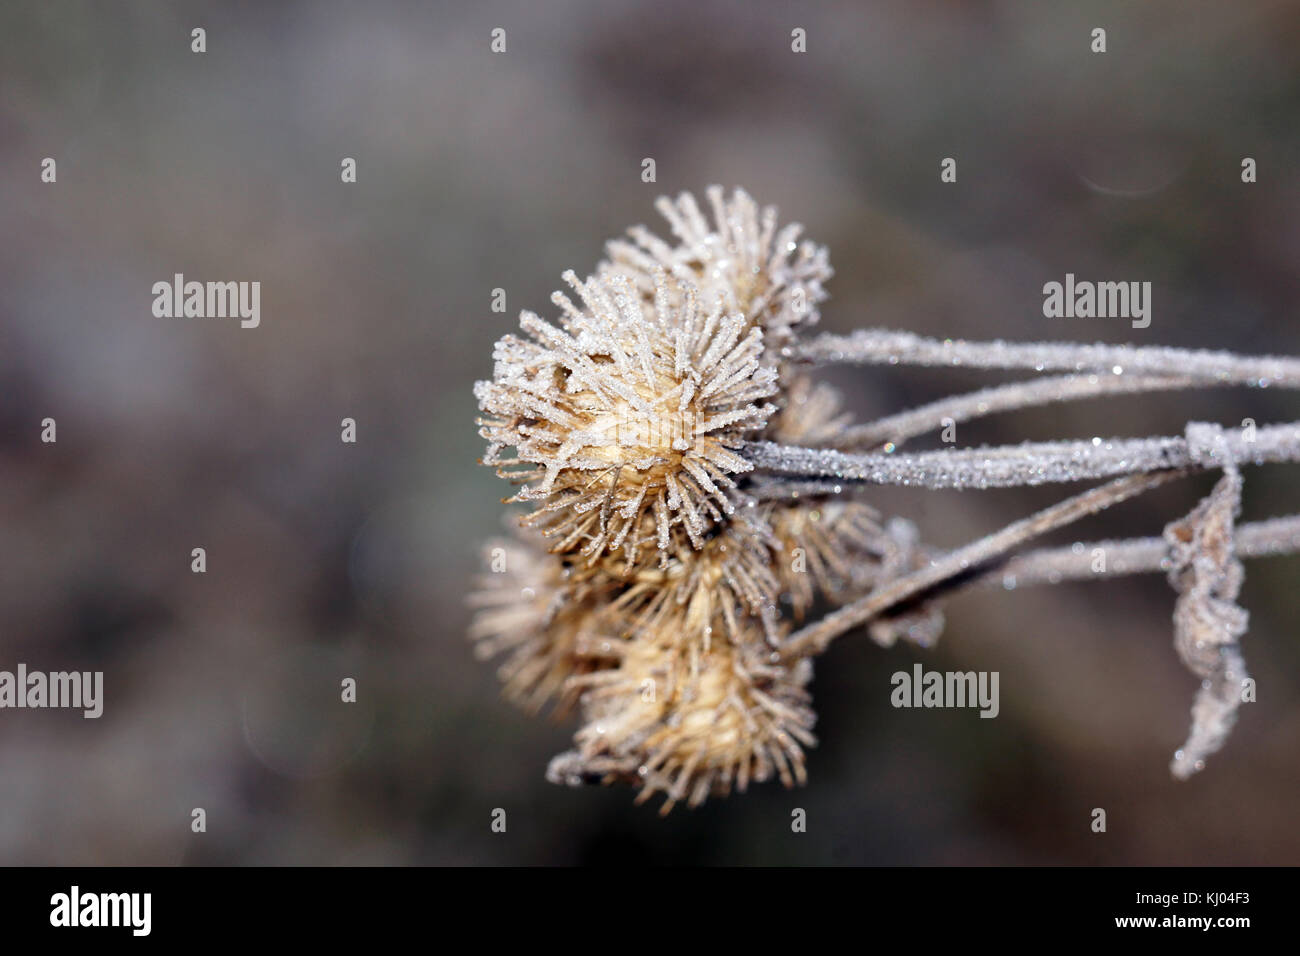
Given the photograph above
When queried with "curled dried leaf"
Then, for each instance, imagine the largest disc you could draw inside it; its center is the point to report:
(1208, 623)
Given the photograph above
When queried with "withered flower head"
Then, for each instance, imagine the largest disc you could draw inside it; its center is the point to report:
(811, 414)
(829, 548)
(694, 591)
(650, 587)
(624, 428)
(763, 272)
(692, 725)
(548, 619)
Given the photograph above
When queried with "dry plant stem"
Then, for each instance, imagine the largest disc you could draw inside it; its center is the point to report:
(770, 488)
(883, 347)
(1030, 463)
(815, 637)
(1259, 539)
(896, 429)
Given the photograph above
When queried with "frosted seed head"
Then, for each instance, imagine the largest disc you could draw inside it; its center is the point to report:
(723, 718)
(776, 282)
(629, 414)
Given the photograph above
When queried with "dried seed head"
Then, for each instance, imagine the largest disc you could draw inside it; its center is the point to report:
(765, 274)
(829, 547)
(690, 726)
(658, 604)
(811, 414)
(695, 592)
(626, 428)
(550, 621)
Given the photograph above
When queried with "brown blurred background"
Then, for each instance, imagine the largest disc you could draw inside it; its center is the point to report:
(478, 171)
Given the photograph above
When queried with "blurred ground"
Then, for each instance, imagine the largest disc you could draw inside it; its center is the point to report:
(478, 171)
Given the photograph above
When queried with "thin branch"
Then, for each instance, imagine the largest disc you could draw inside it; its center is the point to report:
(1030, 463)
(896, 429)
(1079, 562)
(769, 488)
(883, 347)
(815, 637)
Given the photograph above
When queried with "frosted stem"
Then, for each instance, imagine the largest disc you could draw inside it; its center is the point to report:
(786, 489)
(883, 347)
(896, 429)
(1080, 562)
(815, 637)
(1030, 463)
